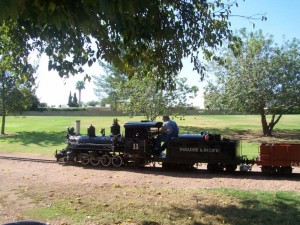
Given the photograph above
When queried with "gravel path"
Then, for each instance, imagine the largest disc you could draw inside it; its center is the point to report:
(26, 172)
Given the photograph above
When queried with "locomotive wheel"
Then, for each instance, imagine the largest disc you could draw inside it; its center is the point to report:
(96, 161)
(139, 163)
(215, 167)
(265, 169)
(285, 170)
(211, 167)
(186, 166)
(220, 167)
(230, 168)
(84, 159)
(268, 169)
(117, 161)
(166, 165)
(105, 160)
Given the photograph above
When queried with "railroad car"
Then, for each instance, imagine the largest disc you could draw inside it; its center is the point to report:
(278, 158)
(219, 153)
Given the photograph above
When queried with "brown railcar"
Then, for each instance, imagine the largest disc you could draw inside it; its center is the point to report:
(278, 158)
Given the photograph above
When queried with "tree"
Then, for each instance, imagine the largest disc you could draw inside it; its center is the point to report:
(16, 74)
(141, 95)
(92, 103)
(75, 101)
(105, 101)
(19, 98)
(107, 84)
(152, 33)
(264, 79)
(70, 100)
(80, 86)
(43, 105)
(35, 101)
(15, 97)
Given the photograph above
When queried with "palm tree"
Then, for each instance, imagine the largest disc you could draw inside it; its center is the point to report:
(79, 87)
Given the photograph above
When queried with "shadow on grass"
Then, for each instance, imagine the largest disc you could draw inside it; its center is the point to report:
(287, 134)
(249, 208)
(252, 213)
(249, 135)
(39, 138)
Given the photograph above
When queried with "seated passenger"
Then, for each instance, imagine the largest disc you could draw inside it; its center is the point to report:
(168, 130)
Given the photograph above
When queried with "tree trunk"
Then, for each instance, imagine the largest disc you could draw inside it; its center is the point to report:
(274, 122)
(268, 128)
(79, 90)
(3, 123)
(264, 124)
(3, 103)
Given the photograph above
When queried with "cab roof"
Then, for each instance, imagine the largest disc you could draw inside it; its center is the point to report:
(143, 124)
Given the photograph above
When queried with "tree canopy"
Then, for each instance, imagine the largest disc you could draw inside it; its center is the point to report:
(143, 96)
(153, 34)
(18, 97)
(264, 79)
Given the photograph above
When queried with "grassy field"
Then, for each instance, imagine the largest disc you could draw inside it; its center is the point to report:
(44, 135)
(172, 206)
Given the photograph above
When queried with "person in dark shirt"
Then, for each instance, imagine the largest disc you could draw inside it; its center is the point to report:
(168, 130)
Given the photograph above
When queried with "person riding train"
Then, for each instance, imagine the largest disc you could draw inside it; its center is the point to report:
(168, 130)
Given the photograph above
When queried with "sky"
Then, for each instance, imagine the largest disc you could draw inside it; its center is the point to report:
(282, 22)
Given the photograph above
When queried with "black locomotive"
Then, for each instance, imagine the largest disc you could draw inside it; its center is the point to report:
(137, 147)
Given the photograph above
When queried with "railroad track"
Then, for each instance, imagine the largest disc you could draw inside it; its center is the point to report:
(27, 159)
(237, 173)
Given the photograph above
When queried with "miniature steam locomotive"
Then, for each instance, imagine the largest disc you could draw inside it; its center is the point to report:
(137, 147)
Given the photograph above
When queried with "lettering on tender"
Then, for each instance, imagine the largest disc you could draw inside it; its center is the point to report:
(200, 150)
(189, 149)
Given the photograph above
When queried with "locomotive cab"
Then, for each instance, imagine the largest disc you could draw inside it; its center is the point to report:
(140, 139)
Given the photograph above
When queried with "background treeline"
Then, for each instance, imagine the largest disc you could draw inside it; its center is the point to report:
(189, 110)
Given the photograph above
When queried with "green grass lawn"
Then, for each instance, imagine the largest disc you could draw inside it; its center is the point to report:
(44, 135)
(172, 206)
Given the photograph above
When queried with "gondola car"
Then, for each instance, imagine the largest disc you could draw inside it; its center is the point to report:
(278, 158)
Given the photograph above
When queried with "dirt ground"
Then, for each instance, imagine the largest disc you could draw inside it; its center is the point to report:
(23, 174)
